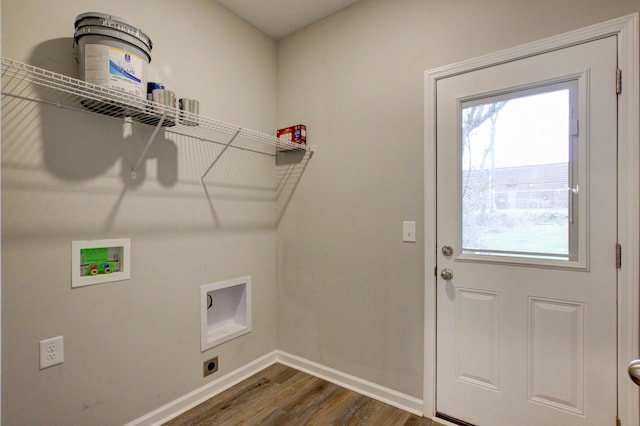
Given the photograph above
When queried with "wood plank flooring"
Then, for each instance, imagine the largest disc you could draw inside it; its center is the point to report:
(280, 395)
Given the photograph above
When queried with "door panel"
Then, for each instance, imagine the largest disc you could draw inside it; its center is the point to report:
(477, 355)
(556, 354)
(527, 335)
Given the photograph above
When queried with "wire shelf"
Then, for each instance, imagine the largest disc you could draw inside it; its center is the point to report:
(26, 82)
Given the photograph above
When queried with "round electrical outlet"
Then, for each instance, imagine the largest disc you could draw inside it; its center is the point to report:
(210, 366)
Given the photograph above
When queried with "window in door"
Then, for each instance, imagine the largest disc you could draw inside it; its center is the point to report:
(520, 175)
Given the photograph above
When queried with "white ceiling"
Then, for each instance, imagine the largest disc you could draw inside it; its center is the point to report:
(279, 18)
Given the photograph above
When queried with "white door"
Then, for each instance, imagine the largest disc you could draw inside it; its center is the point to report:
(526, 202)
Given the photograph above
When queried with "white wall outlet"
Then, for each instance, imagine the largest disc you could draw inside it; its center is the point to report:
(51, 352)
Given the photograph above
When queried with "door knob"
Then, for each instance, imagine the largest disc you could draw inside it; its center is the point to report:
(634, 371)
(447, 274)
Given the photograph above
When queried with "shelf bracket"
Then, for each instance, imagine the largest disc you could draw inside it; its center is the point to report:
(215, 160)
(134, 175)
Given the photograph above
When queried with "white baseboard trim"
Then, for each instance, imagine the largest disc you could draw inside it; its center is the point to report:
(372, 390)
(184, 403)
(198, 396)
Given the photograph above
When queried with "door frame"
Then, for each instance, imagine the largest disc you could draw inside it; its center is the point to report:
(627, 30)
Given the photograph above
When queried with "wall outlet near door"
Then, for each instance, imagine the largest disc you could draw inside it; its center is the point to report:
(51, 352)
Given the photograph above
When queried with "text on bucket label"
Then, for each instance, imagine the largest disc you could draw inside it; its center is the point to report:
(116, 69)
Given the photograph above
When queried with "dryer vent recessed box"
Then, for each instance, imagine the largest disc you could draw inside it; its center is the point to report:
(225, 311)
(100, 261)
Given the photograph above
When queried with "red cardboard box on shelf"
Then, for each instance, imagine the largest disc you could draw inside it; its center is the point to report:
(294, 134)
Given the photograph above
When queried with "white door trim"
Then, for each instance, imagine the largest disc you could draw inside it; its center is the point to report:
(627, 30)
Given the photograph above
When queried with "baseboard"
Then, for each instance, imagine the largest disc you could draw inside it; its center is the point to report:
(439, 422)
(372, 390)
(198, 396)
(178, 406)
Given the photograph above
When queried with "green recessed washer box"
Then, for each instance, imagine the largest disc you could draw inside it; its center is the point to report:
(99, 261)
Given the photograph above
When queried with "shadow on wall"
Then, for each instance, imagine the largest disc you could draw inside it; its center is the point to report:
(268, 200)
(290, 166)
(78, 151)
(81, 151)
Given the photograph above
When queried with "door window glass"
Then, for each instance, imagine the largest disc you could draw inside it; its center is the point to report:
(518, 185)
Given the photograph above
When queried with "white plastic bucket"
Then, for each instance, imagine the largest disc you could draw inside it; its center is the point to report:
(111, 52)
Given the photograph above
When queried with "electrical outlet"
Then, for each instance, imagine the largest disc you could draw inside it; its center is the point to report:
(210, 366)
(51, 352)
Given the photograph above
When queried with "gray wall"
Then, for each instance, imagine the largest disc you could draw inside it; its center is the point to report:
(350, 292)
(131, 346)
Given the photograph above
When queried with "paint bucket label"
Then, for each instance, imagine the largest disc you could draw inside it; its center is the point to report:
(116, 69)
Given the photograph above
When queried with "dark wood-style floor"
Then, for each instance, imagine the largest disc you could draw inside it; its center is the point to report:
(280, 395)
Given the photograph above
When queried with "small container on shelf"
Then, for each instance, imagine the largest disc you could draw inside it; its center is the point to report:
(189, 109)
(295, 134)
